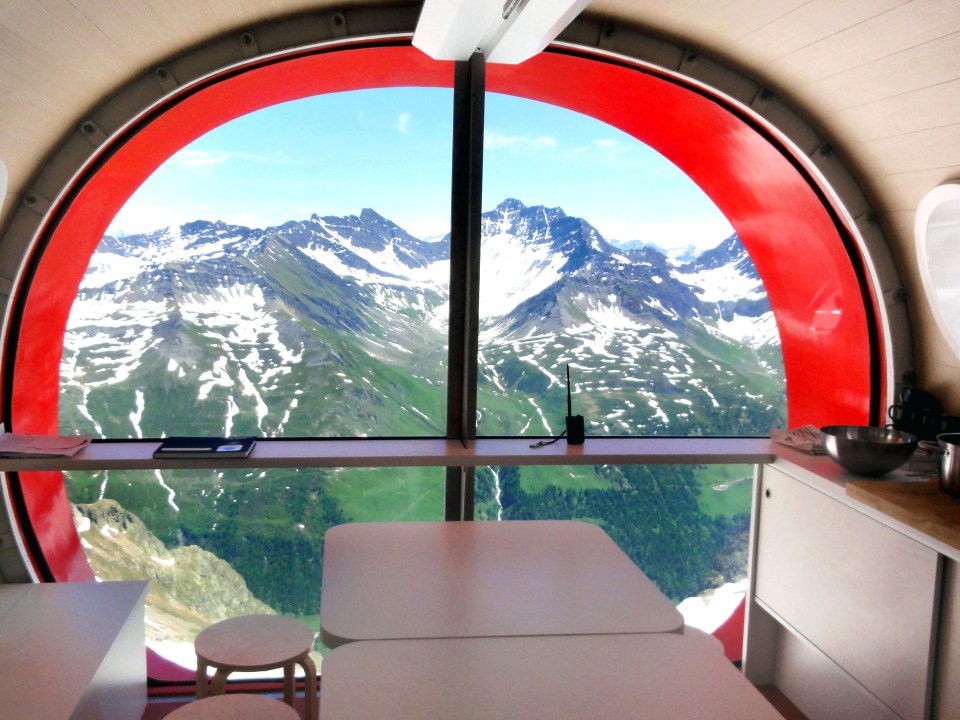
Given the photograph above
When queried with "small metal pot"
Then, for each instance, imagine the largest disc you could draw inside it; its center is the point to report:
(948, 446)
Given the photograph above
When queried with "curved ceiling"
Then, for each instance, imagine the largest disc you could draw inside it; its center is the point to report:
(879, 81)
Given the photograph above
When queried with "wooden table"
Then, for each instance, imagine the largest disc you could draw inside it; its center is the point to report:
(614, 677)
(483, 579)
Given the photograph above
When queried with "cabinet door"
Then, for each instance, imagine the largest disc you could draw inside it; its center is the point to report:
(862, 593)
(947, 703)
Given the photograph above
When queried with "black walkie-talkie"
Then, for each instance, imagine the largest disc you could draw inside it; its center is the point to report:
(574, 422)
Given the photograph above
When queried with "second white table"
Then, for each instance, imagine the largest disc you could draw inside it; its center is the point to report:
(615, 677)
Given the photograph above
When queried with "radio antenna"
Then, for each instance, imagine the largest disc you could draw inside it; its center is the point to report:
(574, 431)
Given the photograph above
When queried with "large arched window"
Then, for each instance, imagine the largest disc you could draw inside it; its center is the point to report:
(787, 220)
(802, 249)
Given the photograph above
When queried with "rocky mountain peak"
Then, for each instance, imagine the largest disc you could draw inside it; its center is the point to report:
(730, 252)
(371, 217)
(510, 205)
(197, 227)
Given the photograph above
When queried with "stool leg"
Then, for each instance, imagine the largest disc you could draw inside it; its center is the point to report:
(289, 683)
(309, 686)
(201, 679)
(218, 686)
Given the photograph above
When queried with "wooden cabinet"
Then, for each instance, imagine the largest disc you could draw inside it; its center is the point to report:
(854, 605)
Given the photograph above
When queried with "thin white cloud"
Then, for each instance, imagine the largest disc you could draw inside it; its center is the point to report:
(497, 141)
(198, 159)
(670, 236)
(246, 219)
(606, 148)
(143, 219)
(403, 122)
(612, 147)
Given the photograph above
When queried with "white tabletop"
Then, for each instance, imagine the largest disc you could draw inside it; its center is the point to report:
(483, 579)
(66, 648)
(614, 677)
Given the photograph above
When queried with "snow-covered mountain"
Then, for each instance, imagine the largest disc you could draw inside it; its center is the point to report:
(654, 346)
(337, 326)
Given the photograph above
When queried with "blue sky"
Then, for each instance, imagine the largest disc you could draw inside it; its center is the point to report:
(390, 150)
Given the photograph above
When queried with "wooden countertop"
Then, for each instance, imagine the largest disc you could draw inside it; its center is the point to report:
(921, 505)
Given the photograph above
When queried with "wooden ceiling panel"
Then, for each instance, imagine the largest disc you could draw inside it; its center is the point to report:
(932, 63)
(905, 189)
(870, 40)
(911, 152)
(914, 111)
(712, 24)
(813, 23)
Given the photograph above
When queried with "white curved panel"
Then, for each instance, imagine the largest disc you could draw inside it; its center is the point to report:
(937, 232)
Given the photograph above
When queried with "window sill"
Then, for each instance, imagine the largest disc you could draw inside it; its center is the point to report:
(419, 452)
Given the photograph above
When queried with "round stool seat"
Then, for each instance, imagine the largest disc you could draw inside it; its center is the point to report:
(257, 642)
(254, 642)
(235, 707)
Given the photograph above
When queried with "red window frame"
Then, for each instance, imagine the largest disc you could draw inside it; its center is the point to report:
(825, 307)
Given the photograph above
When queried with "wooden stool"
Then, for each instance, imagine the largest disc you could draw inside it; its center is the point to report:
(235, 707)
(258, 642)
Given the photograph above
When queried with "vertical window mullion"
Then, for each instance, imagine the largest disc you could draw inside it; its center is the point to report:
(465, 210)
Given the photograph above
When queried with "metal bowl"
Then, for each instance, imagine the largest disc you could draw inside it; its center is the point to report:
(867, 450)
